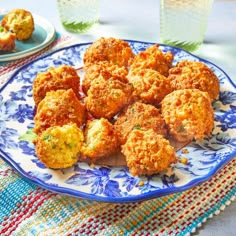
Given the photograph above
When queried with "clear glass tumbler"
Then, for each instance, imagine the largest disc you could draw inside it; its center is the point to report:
(183, 23)
(78, 15)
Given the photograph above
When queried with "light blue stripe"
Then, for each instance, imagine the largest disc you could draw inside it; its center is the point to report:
(12, 195)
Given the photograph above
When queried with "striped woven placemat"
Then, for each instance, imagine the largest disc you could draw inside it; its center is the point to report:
(26, 209)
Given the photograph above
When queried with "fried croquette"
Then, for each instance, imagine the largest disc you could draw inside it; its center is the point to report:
(7, 40)
(58, 108)
(61, 77)
(107, 70)
(59, 146)
(20, 22)
(152, 58)
(147, 153)
(149, 86)
(110, 49)
(107, 97)
(188, 114)
(139, 116)
(194, 75)
(100, 139)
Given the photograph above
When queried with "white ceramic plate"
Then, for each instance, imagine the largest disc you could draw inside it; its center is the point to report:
(111, 184)
(43, 35)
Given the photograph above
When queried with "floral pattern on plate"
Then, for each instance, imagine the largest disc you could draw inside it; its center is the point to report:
(111, 184)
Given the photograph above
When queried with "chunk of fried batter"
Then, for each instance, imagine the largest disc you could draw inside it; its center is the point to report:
(107, 70)
(107, 97)
(194, 75)
(110, 49)
(61, 77)
(188, 114)
(7, 40)
(149, 86)
(59, 146)
(141, 117)
(147, 153)
(153, 58)
(20, 22)
(58, 108)
(100, 139)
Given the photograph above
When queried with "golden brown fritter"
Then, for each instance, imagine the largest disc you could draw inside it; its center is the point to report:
(107, 70)
(153, 58)
(61, 77)
(20, 22)
(100, 139)
(141, 117)
(147, 153)
(107, 97)
(58, 108)
(7, 40)
(59, 146)
(149, 86)
(110, 49)
(188, 114)
(194, 75)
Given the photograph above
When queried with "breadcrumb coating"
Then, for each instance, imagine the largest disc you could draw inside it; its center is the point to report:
(100, 139)
(61, 77)
(149, 86)
(107, 97)
(7, 40)
(139, 116)
(110, 49)
(107, 70)
(152, 58)
(58, 108)
(194, 75)
(148, 153)
(20, 22)
(188, 114)
(59, 146)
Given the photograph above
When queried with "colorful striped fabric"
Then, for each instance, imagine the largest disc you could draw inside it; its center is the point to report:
(26, 209)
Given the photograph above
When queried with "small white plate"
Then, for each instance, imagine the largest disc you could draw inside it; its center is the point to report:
(44, 33)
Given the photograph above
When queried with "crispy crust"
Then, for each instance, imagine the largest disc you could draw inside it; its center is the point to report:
(100, 139)
(58, 108)
(194, 75)
(7, 40)
(59, 146)
(107, 70)
(188, 114)
(149, 86)
(61, 77)
(152, 58)
(107, 97)
(110, 49)
(147, 153)
(20, 22)
(139, 116)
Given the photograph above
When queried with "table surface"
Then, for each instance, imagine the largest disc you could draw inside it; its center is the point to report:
(139, 20)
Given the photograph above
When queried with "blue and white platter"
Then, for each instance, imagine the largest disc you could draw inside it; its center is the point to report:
(102, 183)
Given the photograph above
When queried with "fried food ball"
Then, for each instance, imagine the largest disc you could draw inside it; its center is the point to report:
(152, 58)
(149, 86)
(139, 116)
(20, 22)
(188, 114)
(7, 40)
(110, 49)
(107, 70)
(58, 108)
(147, 152)
(61, 77)
(194, 75)
(100, 139)
(59, 146)
(107, 97)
